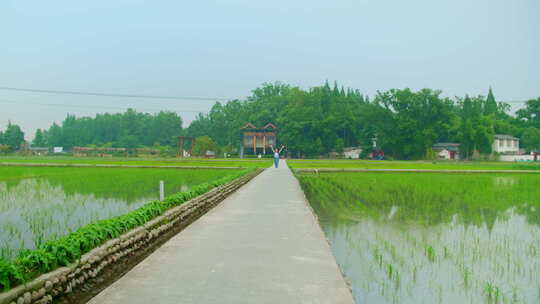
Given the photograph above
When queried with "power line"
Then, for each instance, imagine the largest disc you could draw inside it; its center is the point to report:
(95, 107)
(26, 90)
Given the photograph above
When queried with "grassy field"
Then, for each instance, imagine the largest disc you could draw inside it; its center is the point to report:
(442, 238)
(196, 162)
(38, 204)
(439, 165)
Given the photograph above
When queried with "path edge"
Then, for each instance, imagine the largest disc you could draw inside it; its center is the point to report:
(328, 244)
(97, 269)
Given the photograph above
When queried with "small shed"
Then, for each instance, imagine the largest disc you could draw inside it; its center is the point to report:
(39, 150)
(210, 154)
(447, 150)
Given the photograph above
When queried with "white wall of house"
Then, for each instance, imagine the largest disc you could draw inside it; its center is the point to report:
(352, 153)
(444, 154)
(526, 157)
(505, 145)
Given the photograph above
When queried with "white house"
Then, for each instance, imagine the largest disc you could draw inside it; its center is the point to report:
(505, 144)
(352, 152)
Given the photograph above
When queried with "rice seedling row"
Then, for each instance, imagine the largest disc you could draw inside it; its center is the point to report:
(424, 238)
(196, 162)
(432, 165)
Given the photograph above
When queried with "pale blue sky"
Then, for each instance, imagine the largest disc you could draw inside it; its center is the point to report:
(227, 48)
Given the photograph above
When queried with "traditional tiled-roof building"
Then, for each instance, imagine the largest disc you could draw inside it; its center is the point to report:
(256, 140)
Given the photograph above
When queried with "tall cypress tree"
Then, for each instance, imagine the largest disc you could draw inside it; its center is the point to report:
(491, 105)
(335, 92)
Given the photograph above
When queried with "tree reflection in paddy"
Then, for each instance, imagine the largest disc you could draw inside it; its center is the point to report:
(432, 238)
(39, 204)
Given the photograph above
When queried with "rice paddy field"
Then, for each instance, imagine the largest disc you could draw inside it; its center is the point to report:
(135, 161)
(436, 165)
(38, 204)
(432, 238)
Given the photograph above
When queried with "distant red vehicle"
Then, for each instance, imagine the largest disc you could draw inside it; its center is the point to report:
(377, 155)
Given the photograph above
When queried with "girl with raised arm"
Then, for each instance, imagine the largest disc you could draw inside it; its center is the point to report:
(276, 155)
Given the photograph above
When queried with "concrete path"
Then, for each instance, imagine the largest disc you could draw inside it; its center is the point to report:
(260, 245)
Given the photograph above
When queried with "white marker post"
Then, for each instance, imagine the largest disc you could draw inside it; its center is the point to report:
(161, 190)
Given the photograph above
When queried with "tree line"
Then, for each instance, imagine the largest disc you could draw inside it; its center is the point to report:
(404, 123)
(130, 129)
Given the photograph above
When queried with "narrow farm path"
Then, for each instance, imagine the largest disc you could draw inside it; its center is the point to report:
(260, 245)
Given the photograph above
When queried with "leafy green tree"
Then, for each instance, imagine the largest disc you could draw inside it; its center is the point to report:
(203, 144)
(418, 120)
(128, 141)
(13, 136)
(531, 113)
(39, 139)
(507, 126)
(340, 146)
(318, 148)
(475, 130)
(531, 138)
(54, 136)
(484, 135)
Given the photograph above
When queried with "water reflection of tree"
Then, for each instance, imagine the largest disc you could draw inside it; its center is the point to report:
(125, 184)
(375, 221)
(425, 199)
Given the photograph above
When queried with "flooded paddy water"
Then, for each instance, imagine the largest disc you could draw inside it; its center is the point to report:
(432, 238)
(38, 204)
